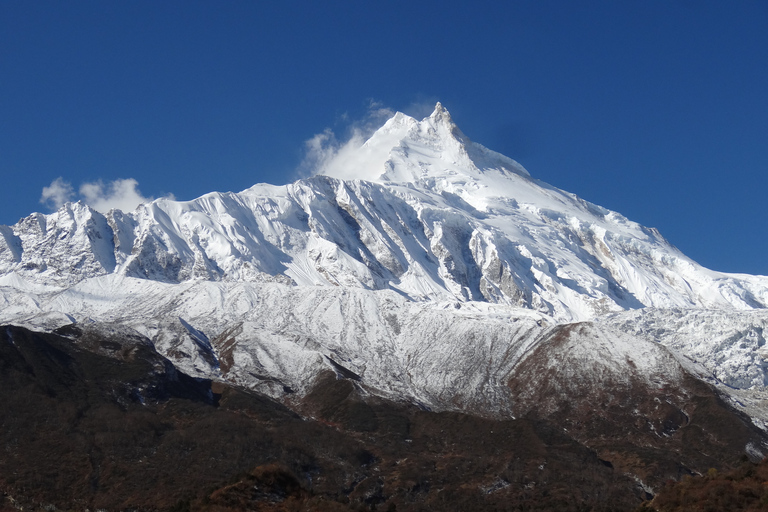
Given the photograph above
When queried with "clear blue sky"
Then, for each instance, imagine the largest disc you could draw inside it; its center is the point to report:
(656, 109)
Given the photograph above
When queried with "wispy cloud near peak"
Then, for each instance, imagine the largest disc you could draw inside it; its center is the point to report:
(122, 194)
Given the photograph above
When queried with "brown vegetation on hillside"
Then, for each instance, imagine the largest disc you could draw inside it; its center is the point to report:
(742, 489)
(95, 423)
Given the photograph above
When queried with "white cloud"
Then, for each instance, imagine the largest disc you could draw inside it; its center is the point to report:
(122, 194)
(318, 151)
(57, 193)
(378, 114)
(325, 152)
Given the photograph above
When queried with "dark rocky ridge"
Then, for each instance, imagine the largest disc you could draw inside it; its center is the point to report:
(105, 422)
(657, 432)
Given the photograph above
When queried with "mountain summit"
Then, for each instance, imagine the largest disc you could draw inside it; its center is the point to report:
(405, 150)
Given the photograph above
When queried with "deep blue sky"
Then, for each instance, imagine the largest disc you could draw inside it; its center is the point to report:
(656, 109)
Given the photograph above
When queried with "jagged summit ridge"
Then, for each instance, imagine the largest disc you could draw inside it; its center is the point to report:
(426, 153)
(418, 208)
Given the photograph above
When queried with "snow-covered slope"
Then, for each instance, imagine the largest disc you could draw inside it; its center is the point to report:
(421, 264)
(470, 356)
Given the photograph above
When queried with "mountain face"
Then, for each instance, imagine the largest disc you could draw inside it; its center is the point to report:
(426, 269)
(418, 209)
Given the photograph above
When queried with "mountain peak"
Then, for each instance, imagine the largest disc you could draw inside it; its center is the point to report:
(440, 112)
(405, 150)
(441, 120)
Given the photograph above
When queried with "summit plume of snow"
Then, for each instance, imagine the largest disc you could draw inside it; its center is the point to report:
(424, 153)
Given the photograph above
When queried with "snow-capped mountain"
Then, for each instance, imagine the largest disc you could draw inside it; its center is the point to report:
(418, 208)
(421, 264)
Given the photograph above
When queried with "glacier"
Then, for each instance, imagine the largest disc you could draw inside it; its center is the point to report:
(422, 264)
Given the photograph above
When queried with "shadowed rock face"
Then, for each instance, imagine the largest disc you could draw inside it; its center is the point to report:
(105, 422)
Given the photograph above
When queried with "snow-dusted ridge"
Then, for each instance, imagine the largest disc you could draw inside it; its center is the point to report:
(423, 262)
(421, 210)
